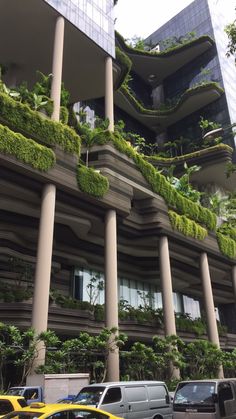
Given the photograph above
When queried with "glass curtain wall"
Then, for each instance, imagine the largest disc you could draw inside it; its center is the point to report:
(92, 17)
(89, 285)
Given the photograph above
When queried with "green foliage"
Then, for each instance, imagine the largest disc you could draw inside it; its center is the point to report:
(187, 227)
(159, 183)
(203, 359)
(174, 41)
(207, 126)
(39, 101)
(125, 63)
(94, 287)
(90, 136)
(136, 42)
(15, 294)
(152, 362)
(92, 182)
(43, 88)
(173, 198)
(230, 169)
(223, 206)
(174, 107)
(64, 115)
(26, 150)
(88, 353)
(228, 229)
(182, 184)
(227, 245)
(20, 117)
(140, 362)
(185, 323)
(163, 158)
(231, 32)
(179, 44)
(143, 314)
(85, 353)
(20, 350)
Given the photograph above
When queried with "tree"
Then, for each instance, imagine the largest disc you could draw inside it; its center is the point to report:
(140, 362)
(10, 341)
(231, 32)
(85, 354)
(202, 359)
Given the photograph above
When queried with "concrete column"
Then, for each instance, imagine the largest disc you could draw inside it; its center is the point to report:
(43, 266)
(212, 330)
(234, 280)
(109, 102)
(111, 290)
(166, 284)
(57, 67)
(167, 293)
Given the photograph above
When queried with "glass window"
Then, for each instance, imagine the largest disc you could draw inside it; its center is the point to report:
(5, 407)
(225, 393)
(194, 393)
(89, 395)
(31, 394)
(112, 395)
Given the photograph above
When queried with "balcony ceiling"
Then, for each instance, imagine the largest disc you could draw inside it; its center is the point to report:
(27, 34)
(161, 66)
(158, 123)
(213, 163)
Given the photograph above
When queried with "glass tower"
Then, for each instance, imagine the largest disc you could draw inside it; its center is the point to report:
(92, 17)
(201, 17)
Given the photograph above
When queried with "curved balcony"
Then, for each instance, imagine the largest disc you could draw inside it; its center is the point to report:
(212, 160)
(163, 64)
(191, 101)
(74, 321)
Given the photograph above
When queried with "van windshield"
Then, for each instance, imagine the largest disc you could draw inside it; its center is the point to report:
(194, 393)
(16, 391)
(89, 396)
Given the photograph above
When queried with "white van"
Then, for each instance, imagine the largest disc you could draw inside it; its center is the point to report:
(205, 399)
(129, 399)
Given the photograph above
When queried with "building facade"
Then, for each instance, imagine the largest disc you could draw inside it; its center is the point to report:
(201, 17)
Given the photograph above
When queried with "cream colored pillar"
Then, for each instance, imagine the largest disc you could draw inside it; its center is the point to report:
(167, 292)
(109, 102)
(57, 67)
(212, 330)
(111, 290)
(43, 266)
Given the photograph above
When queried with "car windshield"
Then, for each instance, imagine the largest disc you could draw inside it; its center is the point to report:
(195, 393)
(89, 396)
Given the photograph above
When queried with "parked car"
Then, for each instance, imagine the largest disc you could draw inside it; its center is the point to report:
(59, 411)
(129, 399)
(201, 399)
(10, 403)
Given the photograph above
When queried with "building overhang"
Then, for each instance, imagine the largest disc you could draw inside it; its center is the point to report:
(212, 160)
(157, 121)
(163, 64)
(27, 33)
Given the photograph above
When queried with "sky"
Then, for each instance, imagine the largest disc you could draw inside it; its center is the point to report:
(143, 17)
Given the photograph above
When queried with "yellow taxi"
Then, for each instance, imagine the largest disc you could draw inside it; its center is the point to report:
(10, 403)
(59, 411)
